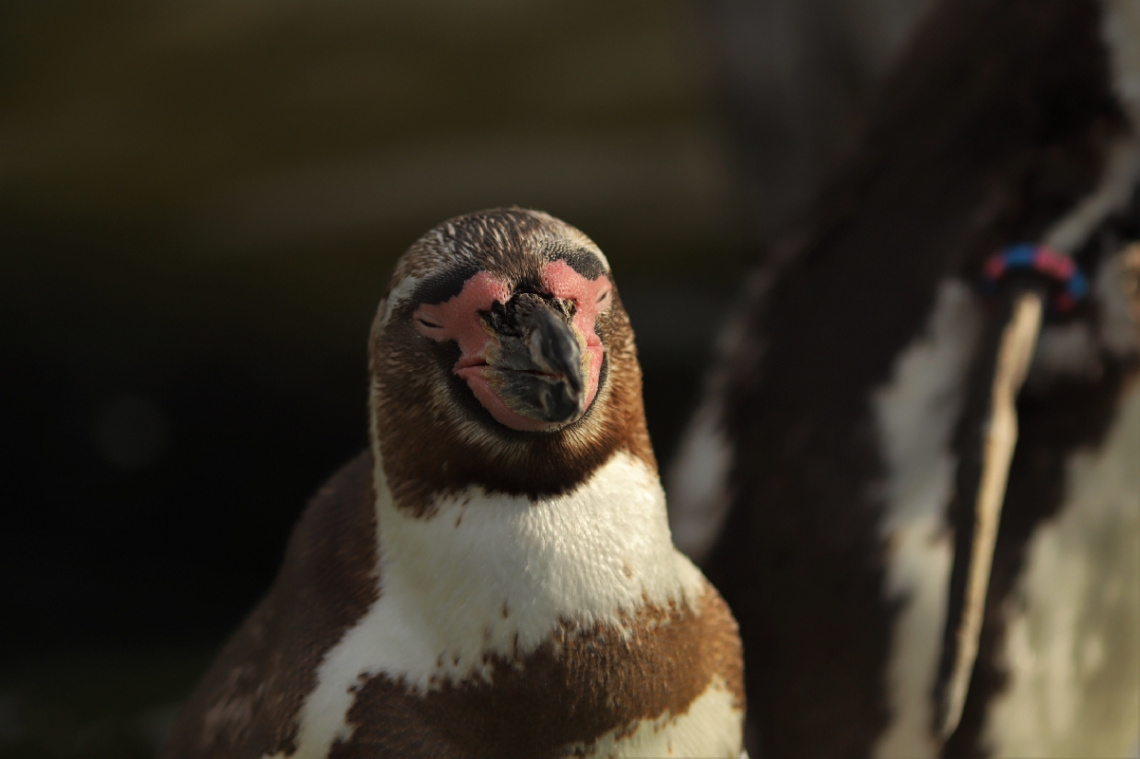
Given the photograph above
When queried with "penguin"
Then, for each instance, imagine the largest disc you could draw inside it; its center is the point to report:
(494, 576)
(827, 480)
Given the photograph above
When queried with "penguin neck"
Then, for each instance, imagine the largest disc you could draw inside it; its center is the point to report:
(590, 555)
(493, 574)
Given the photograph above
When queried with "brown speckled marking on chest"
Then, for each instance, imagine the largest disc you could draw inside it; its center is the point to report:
(576, 688)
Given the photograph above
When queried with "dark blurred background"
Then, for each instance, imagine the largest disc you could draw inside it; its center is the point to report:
(200, 203)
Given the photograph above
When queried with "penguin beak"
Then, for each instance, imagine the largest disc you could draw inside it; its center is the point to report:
(535, 359)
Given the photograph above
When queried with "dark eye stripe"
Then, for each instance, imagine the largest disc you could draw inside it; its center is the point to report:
(582, 261)
(439, 288)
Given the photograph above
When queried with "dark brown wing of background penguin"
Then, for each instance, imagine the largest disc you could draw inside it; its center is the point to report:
(829, 480)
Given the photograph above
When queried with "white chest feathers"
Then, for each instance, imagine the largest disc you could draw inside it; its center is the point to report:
(489, 574)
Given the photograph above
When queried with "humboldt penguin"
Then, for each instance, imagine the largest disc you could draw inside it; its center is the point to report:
(831, 478)
(494, 576)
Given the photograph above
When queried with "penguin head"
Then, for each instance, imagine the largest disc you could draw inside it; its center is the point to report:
(503, 356)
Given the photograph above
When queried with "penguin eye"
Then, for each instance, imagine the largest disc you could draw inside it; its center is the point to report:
(603, 296)
(428, 324)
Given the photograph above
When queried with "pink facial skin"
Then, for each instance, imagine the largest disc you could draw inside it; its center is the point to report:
(458, 319)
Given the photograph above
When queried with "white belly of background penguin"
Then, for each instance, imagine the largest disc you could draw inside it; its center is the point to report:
(495, 576)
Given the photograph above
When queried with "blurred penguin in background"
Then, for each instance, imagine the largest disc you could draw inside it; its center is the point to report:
(915, 470)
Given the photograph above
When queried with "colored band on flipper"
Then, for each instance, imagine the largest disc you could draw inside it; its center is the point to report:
(1068, 285)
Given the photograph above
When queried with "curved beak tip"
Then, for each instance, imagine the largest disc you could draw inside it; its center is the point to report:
(560, 402)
